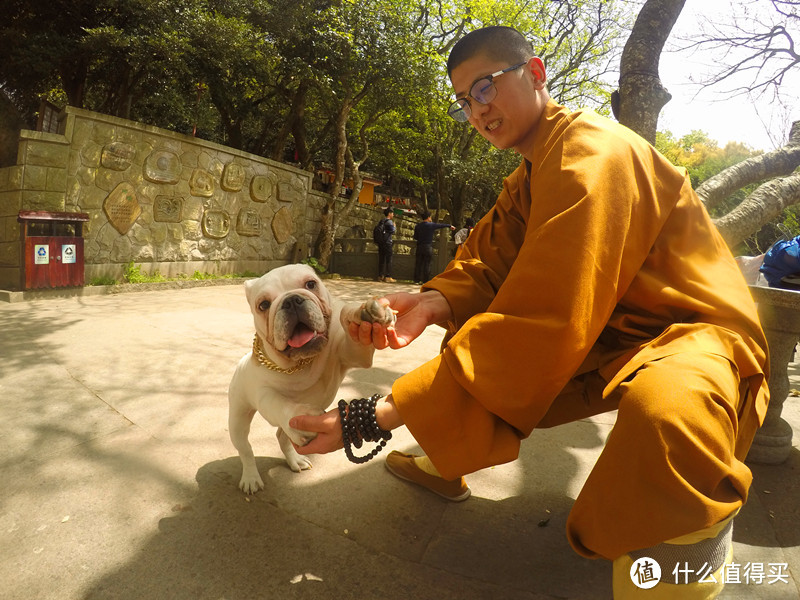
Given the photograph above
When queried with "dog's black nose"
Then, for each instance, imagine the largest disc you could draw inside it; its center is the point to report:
(293, 301)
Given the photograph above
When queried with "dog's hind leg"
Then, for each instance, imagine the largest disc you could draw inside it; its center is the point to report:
(296, 461)
(239, 420)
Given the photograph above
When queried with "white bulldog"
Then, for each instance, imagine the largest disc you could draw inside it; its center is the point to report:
(300, 355)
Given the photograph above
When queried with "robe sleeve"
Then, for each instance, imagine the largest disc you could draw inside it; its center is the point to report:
(533, 289)
(474, 278)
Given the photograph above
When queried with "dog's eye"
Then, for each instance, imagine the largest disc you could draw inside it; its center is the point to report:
(263, 306)
(311, 285)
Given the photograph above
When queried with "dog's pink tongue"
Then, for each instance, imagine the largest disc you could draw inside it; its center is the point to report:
(301, 336)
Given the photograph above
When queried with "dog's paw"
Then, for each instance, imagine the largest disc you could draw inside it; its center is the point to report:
(375, 312)
(251, 482)
(298, 463)
(301, 438)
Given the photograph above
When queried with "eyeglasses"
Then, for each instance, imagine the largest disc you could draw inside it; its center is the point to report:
(483, 91)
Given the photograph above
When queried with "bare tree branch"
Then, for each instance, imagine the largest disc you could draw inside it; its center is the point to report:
(757, 45)
(759, 208)
(758, 168)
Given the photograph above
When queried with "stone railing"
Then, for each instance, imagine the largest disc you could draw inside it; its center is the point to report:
(358, 257)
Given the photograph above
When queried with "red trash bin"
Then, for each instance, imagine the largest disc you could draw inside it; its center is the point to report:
(52, 246)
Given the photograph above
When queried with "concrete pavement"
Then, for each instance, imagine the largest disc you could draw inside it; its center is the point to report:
(119, 479)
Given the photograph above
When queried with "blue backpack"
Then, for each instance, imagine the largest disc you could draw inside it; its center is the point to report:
(782, 264)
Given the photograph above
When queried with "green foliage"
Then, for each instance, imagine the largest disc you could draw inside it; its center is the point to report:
(314, 264)
(702, 156)
(132, 273)
(103, 280)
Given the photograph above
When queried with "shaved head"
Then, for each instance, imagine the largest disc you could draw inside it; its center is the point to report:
(497, 43)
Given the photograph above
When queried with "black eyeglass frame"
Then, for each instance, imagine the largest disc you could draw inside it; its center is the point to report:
(461, 108)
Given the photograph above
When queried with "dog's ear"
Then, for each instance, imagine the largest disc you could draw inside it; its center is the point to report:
(248, 290)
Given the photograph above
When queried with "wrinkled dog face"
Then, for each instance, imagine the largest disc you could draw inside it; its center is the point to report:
(291, 310)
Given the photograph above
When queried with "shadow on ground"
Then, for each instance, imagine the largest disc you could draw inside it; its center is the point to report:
(360, 533)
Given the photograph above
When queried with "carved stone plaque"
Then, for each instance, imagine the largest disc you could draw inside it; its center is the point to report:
(122, 207)
(216, 224)
(117, 156)
(282, 226)
(162, 166)
(232, 177)
(291, 191)
(248, 222)
(201, 183)
(168, 209)
(262, 187)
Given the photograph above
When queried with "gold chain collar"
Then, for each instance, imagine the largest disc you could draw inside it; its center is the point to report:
(258, 354)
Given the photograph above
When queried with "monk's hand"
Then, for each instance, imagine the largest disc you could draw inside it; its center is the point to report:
(327, 427)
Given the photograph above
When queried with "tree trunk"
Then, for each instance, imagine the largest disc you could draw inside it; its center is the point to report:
(641, 96)
(73, 75)
(326, 236)
(332, 217)
(327, 232)
(294, 125)
(299, 125)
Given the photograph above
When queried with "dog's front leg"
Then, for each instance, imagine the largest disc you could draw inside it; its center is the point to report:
(239, 420)
(296, 461)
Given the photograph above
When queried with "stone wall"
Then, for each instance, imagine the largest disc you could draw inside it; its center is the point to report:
(165, 201)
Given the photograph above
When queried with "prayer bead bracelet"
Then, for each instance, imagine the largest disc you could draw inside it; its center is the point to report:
(359, 425)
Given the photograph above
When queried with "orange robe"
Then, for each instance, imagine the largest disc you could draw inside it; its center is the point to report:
(596, 260)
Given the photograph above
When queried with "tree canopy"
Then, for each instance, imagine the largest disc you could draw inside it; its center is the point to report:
(355, 86)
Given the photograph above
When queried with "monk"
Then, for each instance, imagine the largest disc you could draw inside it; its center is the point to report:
(597, 282)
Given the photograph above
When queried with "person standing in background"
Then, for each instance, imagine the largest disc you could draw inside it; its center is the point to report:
(423, 233)
(382, 236)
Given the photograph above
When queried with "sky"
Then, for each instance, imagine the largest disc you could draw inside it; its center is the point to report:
(722, 116)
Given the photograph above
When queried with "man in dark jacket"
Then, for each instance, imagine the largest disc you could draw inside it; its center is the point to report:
(423, 233)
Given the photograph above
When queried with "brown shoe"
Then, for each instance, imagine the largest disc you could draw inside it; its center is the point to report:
(403, 466)
(389, 280)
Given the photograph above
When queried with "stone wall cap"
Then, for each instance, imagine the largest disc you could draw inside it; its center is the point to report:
(43, 136)
(48, 215)
(775, 296)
